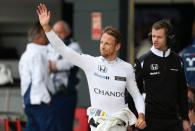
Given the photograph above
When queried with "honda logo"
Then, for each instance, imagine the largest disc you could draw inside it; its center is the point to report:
(102, 68)
(154, 67)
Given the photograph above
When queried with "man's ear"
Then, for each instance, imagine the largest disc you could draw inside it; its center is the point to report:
(118, 46)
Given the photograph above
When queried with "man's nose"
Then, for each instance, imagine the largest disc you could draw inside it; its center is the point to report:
(155, 39)
(102, 45)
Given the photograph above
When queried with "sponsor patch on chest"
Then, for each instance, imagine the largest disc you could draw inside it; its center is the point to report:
(154, 73)
(102, 76)
(120, 78)
(154, 67)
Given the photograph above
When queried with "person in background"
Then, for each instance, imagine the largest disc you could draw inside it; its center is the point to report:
(162, 73)
(107, 76)
(36, 85)
(188, 57)
(64, 77)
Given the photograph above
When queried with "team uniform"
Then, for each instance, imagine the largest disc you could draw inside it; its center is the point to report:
(36, 88)
(107, 80)
(166, 90)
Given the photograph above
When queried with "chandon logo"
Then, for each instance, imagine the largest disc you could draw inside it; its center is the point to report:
(109, 93)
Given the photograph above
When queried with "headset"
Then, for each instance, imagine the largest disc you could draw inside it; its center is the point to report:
(164, 23)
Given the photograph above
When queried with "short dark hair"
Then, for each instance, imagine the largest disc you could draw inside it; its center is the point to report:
(164, 23)
(113, 32)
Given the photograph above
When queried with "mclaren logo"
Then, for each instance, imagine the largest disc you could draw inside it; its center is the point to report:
(154, 67)
(102, 68)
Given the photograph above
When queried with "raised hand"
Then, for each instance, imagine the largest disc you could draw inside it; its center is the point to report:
(44, 16)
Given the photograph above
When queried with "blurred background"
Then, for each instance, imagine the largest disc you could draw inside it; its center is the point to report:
(87, 18)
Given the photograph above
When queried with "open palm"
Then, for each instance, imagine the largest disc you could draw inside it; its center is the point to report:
(44, 14)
